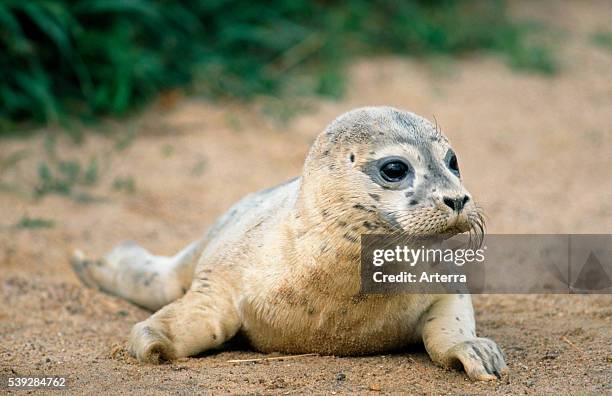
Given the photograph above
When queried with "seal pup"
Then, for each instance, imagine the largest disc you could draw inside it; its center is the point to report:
(282, 265)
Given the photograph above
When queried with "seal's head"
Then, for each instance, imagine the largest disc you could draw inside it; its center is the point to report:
(389, 170)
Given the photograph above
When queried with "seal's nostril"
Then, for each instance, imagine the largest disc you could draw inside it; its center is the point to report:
(449, 202)
(456, 204)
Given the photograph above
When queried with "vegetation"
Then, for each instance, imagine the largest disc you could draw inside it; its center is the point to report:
(34, 222)
(88, 58)
(65, 176)
(125, 184)
(602, 39)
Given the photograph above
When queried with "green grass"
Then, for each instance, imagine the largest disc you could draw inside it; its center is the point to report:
(125, 184)
(65, 59)
(34, 223)
(602, 39)
(63, 176)
(76, 178)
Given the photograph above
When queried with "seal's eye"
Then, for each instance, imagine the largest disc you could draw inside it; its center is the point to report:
(453, 165)
(394, 171)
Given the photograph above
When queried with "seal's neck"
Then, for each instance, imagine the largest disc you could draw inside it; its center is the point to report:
(326, 242)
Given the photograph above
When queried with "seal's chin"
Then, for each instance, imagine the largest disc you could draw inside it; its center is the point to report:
(459, 226)
(472, 223)
(451, 232)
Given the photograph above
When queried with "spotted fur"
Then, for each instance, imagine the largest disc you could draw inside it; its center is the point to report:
(282, 266)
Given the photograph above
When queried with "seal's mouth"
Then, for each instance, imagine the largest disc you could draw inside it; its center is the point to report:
(436, 226)
(472, 223)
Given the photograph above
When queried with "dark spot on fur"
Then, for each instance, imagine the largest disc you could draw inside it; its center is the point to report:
(425, 177)
(430, 319)
(359, 298)
(325, 213)
(149, 332)
(460, 331)
(361, 207)
(369, 225)
(214, 336)
(376, 197)
(352, 157)
(342, 223)
(326, 152)
(149, 279)
(409, 194)
(413, 202)
(372, 152)
(457, 319)
(351, 238)
(325, 247)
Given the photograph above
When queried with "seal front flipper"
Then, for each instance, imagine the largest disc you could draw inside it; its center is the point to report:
(202, 319)
(449, 335)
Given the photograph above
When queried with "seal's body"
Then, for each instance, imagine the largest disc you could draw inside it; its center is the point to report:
(282, 265)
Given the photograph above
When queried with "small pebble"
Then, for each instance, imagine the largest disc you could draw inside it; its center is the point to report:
(551, 355)
(340, 377)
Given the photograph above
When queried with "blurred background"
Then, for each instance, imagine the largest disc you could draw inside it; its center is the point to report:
(146, 120)
(90, 58)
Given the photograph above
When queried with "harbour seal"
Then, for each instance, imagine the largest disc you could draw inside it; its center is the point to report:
(282, 265)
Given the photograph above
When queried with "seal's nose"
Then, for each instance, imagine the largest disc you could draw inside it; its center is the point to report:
(456, 204)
